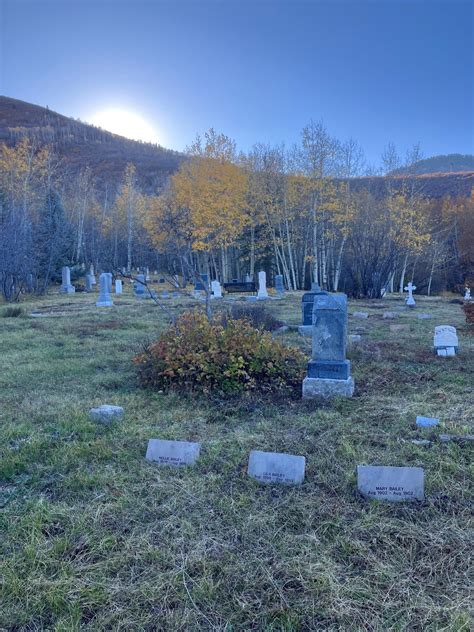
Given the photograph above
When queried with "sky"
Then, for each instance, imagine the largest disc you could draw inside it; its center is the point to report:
(259, 71)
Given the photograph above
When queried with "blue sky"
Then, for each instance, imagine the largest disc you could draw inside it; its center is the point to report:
(378, 71)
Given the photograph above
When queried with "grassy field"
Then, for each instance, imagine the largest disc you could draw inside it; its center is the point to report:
(96, 538)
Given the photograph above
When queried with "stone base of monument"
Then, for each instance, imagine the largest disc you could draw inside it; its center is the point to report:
(314, 387)
(108, 303)
(67, 289)
(305, 330)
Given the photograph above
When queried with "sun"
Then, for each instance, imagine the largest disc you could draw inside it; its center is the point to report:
(126, 124)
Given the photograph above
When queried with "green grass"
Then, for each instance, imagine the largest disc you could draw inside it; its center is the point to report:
(96, 538)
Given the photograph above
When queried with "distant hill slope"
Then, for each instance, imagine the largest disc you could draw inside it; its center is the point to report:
(447, 163)
(81, 144)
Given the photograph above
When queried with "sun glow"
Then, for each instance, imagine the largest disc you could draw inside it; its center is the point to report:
(126, 124)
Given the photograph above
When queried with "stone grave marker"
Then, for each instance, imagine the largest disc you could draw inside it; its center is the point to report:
(104, 299)
(329, 370)
(426, 422)
(138, 287)
(279, 287)
(175, 453)
(262, 285)
(360, 315)
(410, 301)
(394, 484)
(216, 289)
(118, 286)
(467, 294)
(445, 340)
(89, 283)
(307, 304)
(91, 272)
(66, 287)
(106, 413)
(276, 467)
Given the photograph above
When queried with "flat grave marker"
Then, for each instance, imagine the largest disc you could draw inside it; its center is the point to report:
(175, 453)
(394, 484)
(426, 422)
(276, 467)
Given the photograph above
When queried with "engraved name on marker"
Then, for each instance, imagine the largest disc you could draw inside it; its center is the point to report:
(391, 483)
(276, 467)
(175, 453)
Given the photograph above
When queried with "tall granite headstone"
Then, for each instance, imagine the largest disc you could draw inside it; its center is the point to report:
(138, 287)
(262, 285)
(279, 287)
(104, 299)
(329, 370)
(307, 303)
(66, 287)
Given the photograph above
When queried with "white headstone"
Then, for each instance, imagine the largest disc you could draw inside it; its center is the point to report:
(391, 483)
(118, 286)
(176, 453)
(216, 289)
(104, 299)
(445, 340)
(89, 283)
(66, 287)
(262, 285)
(467, 294)
(91, 272)
(410, 300)
(276, 467)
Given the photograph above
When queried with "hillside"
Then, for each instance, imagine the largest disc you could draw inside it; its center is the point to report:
(81, 144)
(446, 163)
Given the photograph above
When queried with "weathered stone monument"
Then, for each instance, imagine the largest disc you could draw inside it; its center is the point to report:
(89, 283)
(104, 299)
(276, 467)
(106, 413)
(118, 286)
(445, 340)
(262, 285)
(390, 483)
(410, 300)
(467, 294)
(91, 272)
(279, 286)
(66, 287)
(307, 302)
(138, 287)
(216, 289)
(329, 370)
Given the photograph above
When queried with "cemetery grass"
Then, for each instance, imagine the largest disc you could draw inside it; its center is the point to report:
(94, 537)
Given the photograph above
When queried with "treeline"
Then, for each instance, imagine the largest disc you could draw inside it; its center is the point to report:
(228, 214)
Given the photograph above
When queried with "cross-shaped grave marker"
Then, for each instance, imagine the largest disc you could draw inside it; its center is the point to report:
(409, 288)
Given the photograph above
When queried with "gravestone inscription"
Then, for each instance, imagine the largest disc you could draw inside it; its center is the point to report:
(391, 483)
(276, 467)
(174, 453)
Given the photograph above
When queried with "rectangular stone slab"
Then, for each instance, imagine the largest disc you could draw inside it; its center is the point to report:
(276, 467)
(335, 370)
(426, 422)
(176, 453)
(394, 484)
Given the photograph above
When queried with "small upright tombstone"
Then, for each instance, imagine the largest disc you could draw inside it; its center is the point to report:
(147, 274)
(279, 287)
(118, 286)
(88, 282)
(91, 272)
(467, 294)
(329, 371)
(104, 299)
(391, 483)
(276, 467)
(410, 300)
(138, 287)
(66, 287)
(248, 278)
(216, 289)
(445, 340)
(262, 285)
(307, 303)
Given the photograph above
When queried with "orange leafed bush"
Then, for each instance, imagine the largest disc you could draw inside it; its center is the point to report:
(198, 355)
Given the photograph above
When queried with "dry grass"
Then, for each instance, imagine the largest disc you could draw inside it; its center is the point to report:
(96, 538)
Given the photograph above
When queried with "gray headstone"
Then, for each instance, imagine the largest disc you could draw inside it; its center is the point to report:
(307, 304)
(66, 287)
(91, 272)
(391, 483)
(104, 299)
(426, 422)
(176, 453)
(445, 340)
(138, 287)
(216, 289)
(89, 283)
(118, 286)
(329, 370)
(279, 286)
(106, 414)
(276, 467)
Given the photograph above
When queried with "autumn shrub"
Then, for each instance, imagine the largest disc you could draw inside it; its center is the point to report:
(257, 315)
(197, 355)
